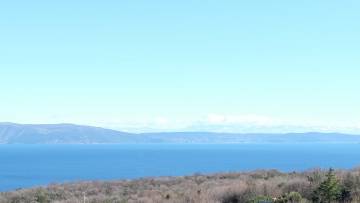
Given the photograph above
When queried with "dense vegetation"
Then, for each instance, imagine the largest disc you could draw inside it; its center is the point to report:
(323, 186)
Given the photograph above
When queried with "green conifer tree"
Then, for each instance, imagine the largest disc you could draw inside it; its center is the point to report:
(329, 190)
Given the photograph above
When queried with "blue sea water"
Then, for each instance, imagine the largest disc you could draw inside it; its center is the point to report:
(33, 165)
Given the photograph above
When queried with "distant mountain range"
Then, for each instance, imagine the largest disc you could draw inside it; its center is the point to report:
(11, 133)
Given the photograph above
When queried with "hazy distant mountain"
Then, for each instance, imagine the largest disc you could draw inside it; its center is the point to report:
(59, 133)
(76, 134)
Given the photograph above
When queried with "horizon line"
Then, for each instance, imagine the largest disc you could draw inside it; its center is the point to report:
(180, 131)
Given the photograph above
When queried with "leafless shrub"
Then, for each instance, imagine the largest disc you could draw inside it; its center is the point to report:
(217, 188)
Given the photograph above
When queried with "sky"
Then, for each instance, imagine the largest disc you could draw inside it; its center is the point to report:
(235, 66)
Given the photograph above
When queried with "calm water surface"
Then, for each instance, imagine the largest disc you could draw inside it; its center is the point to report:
(31, 165)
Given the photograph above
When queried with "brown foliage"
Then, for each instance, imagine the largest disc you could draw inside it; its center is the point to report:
(216, 188)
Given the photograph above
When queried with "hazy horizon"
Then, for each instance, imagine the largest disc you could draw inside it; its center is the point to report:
(231, 66)
(210, 129)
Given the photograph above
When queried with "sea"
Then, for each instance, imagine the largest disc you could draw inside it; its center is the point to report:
(24, 166)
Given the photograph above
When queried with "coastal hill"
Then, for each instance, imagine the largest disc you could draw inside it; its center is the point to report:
(11, 133)
(262, 186)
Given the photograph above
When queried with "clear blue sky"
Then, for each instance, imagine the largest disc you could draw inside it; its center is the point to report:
(165, 62)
